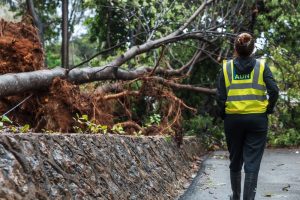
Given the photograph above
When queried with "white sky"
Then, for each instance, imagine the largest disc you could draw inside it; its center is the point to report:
(260, 42)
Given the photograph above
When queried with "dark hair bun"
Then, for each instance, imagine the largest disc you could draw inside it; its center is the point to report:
(244, 44)
(244, 39)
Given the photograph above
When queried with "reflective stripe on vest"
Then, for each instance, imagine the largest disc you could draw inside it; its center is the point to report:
(245, 93)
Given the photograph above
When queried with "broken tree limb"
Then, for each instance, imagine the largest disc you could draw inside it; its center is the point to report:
(15, 83)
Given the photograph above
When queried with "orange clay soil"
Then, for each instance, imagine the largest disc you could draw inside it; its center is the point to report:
(20, 48)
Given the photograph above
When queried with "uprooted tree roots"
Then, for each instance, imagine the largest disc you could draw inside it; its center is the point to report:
(142, 106)
(56, 109)
(20, 48)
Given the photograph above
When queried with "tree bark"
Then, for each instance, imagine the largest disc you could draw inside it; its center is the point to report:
(36, 20)
(178, 86)
(11, 84)
(65, 35)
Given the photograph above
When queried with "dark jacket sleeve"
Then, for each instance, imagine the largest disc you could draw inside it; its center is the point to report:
(221, 94)
(272, 89)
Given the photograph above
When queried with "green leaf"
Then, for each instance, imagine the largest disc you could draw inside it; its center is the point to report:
(6, 119)
(25, 128)
(84, 117)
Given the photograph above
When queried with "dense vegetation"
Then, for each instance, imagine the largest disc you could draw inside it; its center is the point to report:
(279, 23)
(98, 25)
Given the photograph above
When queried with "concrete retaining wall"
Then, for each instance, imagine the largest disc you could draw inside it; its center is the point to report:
(73, 166)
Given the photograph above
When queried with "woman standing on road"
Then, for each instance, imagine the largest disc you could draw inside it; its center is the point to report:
(242, 87)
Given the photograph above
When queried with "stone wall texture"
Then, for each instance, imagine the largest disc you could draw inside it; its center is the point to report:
(78, 166)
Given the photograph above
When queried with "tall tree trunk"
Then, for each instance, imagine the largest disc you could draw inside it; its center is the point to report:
(65, 38)
(36, 20)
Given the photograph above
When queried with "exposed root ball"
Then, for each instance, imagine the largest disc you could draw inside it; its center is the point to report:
(20, 51)
(64, 102)
(20, 48)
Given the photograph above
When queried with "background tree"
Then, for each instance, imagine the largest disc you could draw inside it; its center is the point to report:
(278, 25)
(65, 35)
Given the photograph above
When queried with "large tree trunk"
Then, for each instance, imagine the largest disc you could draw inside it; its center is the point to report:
(20, 82)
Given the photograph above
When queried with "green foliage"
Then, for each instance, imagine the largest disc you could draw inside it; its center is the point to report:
(88, 126)
(108, 25)
(117, 128)
(198, 125)
(287, 116)
(138, 134)
(278, 23)
(210, 131)
(4, 118)
(47, 12)
(154, 119)
(82, 48)
(53, 59)
(11, 127)
(289, 137)
(204, 75)
(168, 138)
(25, 128)
(133, 21)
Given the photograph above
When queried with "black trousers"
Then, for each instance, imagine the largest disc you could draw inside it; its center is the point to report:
(246, 136)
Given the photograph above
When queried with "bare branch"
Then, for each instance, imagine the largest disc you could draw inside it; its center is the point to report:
(132, 52)
(131, 124)
(178, 86)
(160, 57)
(121, 94)
(189, 21)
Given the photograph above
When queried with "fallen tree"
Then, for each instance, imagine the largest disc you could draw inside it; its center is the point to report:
(21, 82)
(57, 98)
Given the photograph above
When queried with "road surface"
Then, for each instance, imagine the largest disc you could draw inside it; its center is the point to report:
(279, 177)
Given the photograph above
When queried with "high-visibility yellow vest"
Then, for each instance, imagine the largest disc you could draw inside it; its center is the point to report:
(246, 94)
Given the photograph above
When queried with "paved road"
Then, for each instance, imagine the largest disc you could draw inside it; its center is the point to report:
(279, 177)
